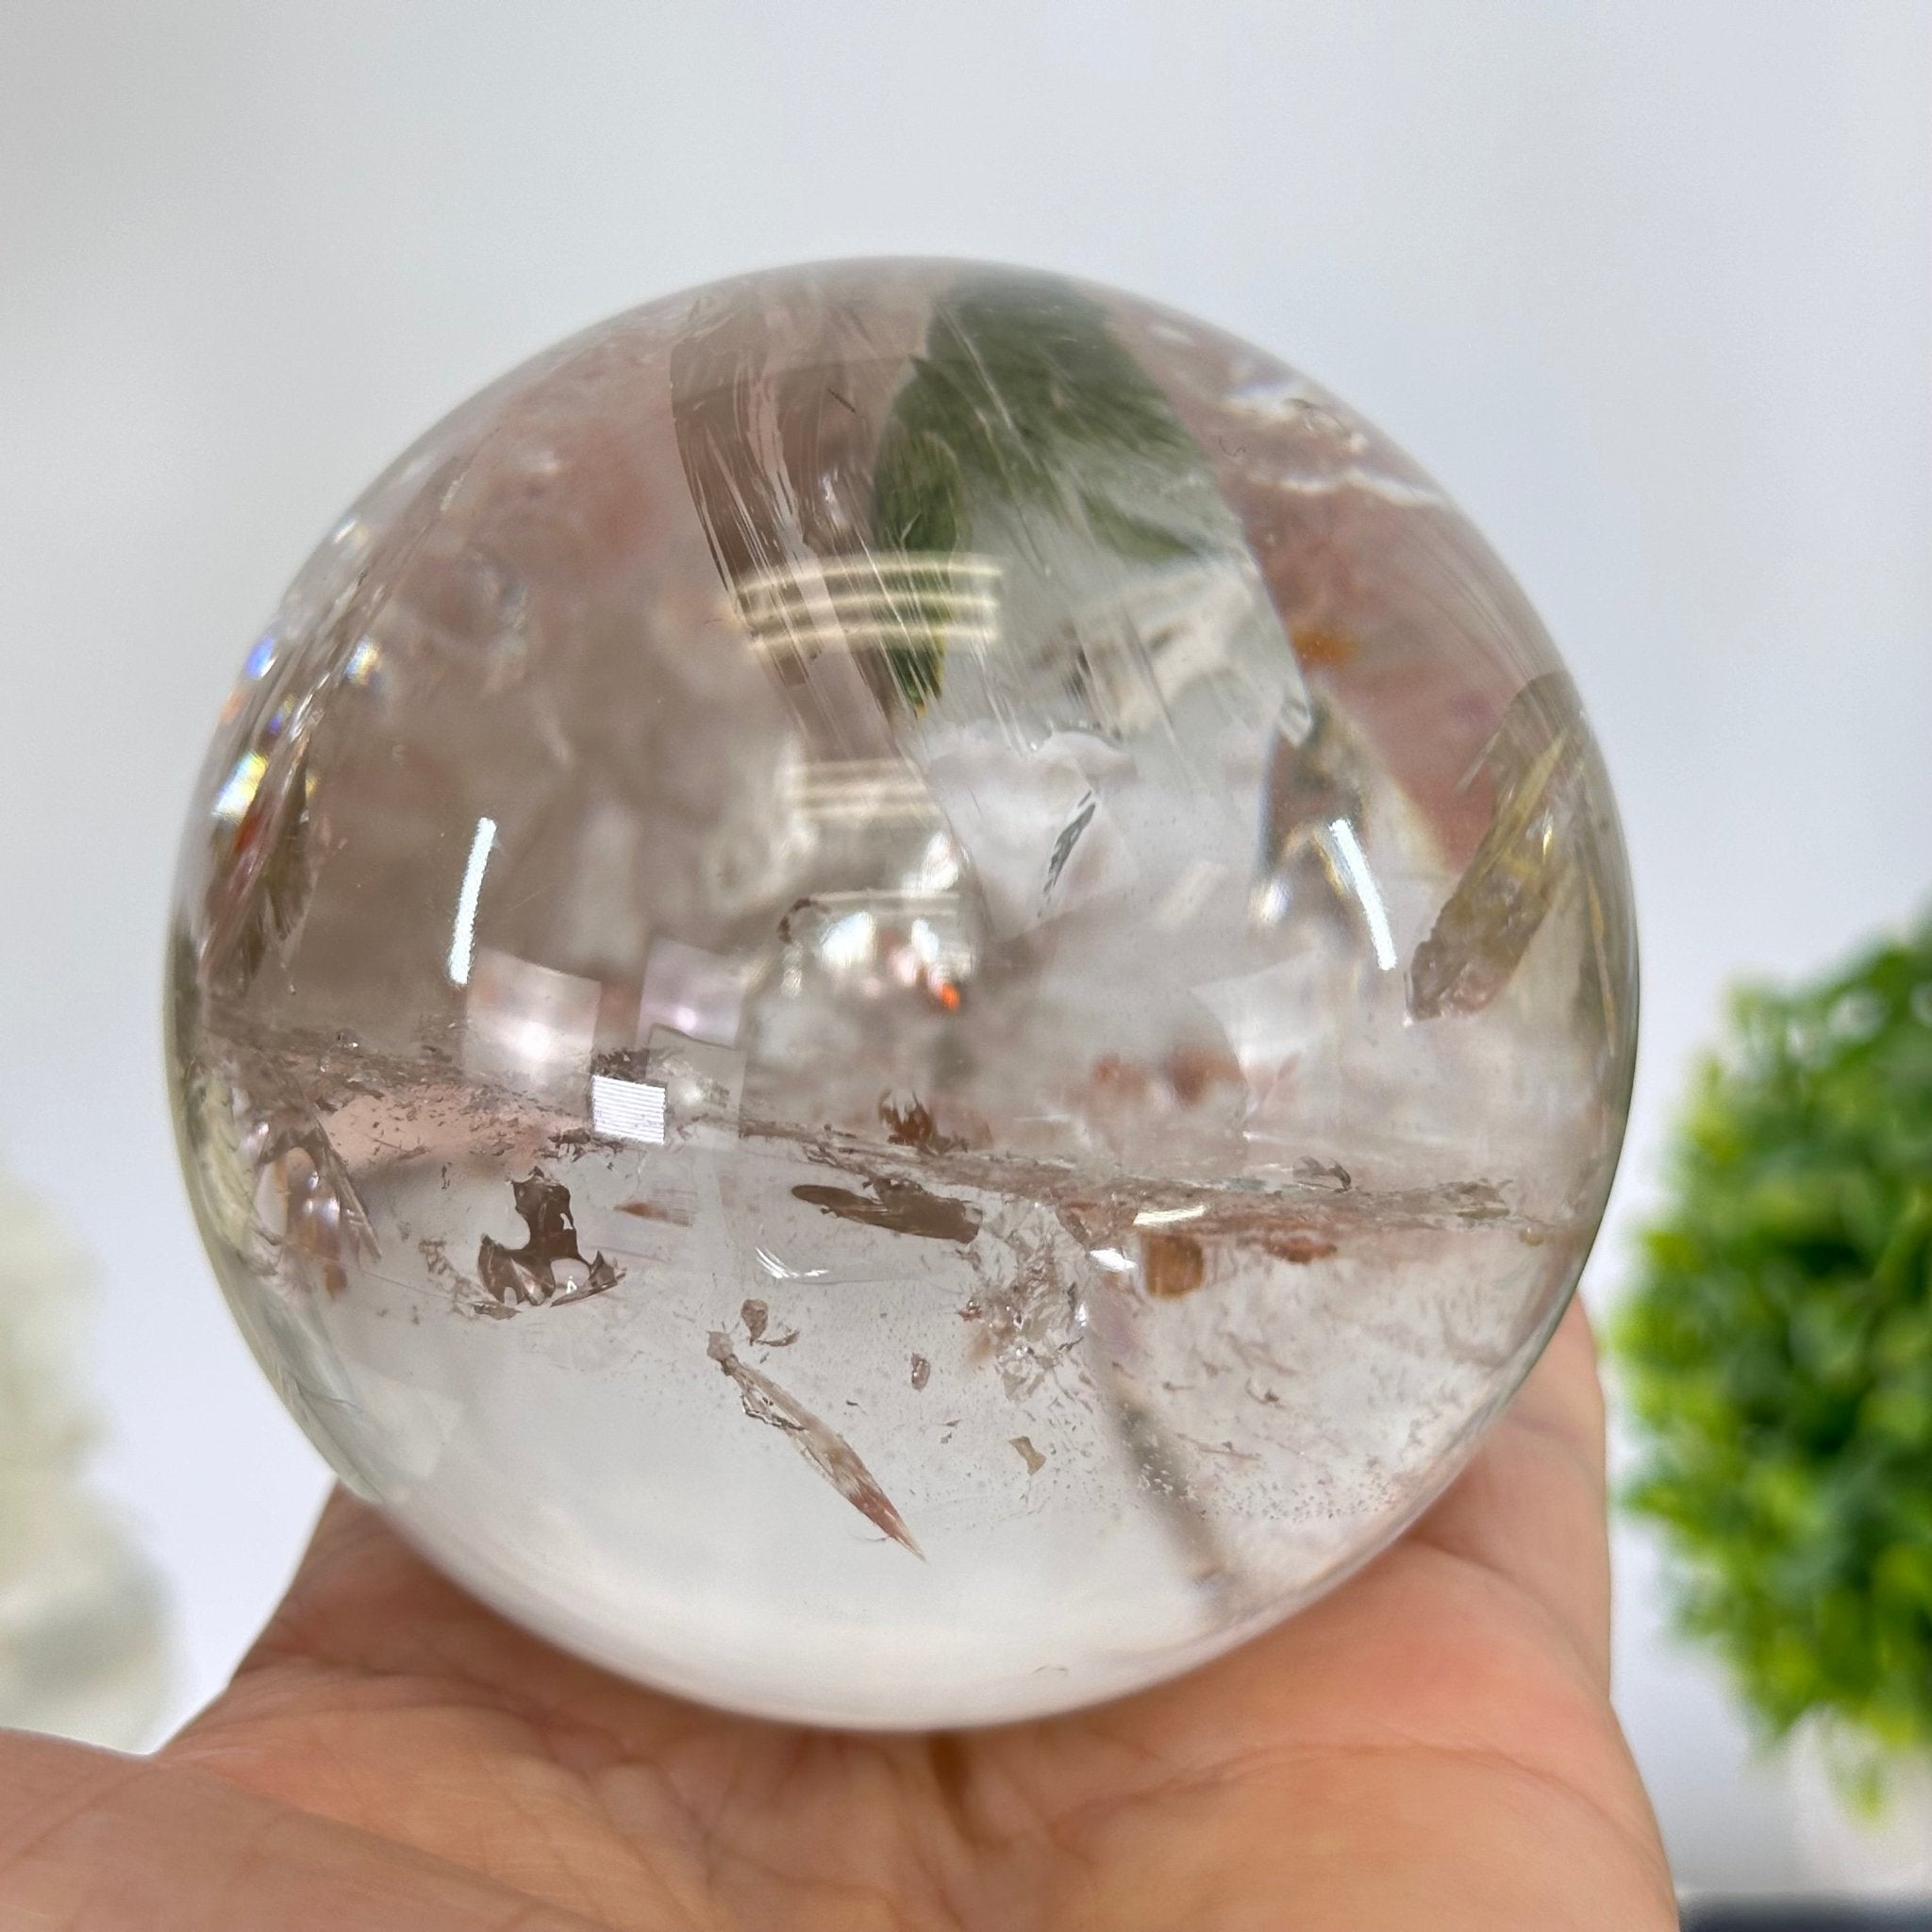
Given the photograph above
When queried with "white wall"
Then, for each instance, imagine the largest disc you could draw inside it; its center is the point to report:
(1647, 283)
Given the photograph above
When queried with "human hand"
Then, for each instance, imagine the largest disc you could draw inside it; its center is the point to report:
(1430, 1748)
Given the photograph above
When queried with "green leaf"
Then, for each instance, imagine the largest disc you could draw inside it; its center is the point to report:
(1775, 1349)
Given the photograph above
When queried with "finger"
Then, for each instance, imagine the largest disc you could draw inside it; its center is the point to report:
(354, 1559)
(94, 1842)
(363, 1601)
(1531, 1508)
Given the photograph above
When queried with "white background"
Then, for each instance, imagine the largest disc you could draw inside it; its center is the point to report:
(1648, 286)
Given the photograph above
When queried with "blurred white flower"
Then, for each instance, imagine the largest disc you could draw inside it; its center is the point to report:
(82, 1647)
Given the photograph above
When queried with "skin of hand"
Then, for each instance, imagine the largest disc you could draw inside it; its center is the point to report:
(1429, 1746)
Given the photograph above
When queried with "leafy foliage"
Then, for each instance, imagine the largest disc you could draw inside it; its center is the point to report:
(1025, 398)
(1777, 1350)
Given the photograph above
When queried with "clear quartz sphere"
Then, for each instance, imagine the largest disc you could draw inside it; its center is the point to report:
(899, 990)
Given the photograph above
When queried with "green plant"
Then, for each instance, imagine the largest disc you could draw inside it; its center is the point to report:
(1776, 1351)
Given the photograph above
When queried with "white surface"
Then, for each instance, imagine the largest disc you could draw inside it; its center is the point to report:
(1887, 1855)
(1647, 284)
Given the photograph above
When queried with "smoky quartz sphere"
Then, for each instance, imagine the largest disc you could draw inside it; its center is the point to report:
(897, 992)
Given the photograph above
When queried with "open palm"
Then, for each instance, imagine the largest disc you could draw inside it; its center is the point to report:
(1431, 1746)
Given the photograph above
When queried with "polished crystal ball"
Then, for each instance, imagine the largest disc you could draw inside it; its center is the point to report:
(898, 992)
